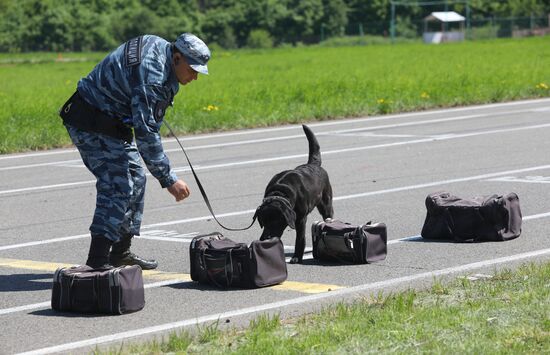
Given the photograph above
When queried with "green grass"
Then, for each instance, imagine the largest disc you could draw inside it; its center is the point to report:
(287, 85)
(506, 314)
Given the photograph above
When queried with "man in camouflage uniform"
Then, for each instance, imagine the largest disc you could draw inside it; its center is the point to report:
(126, 95)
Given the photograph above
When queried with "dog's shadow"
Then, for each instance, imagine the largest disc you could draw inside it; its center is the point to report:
(25, 282)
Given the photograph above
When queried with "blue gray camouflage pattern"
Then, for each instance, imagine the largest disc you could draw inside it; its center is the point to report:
(120, 183)
(195, 51)
(136, 83)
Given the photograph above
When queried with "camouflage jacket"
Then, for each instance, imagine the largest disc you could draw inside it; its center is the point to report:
(136, 83)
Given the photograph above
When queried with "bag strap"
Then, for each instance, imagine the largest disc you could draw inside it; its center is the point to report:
(212, 279)
(203, 193)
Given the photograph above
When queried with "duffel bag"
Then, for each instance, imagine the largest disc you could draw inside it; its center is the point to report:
(224, 263)
(482, 218)
(267, 262)
(335, 240)
(83, 289)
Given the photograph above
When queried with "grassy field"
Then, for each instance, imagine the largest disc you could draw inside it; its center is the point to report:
(508, 313)
(261, 88)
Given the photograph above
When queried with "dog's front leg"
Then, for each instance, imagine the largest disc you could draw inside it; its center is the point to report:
(300, 244)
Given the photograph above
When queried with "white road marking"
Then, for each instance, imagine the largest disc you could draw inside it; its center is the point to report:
(55, 163)
(536, 216)
(289, 157)
(41, 242)
(26, 307)
(48, 304)
(438, 183)
(526, 179)
(318, 124)
(47, 187)
(285, 303)
(339, 198)
(288, 248)
(271, 139)
(370, 134)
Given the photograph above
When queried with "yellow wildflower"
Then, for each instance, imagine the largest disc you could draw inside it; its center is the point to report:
(380, 101)
(542, 86)
(425, 95)
(210, 108)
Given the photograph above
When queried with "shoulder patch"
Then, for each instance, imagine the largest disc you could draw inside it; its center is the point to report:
(132, 51)
(160, 110)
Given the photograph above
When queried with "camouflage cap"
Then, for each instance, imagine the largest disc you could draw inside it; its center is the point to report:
(194, 50)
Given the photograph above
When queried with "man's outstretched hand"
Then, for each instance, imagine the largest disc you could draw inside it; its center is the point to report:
(179, 190)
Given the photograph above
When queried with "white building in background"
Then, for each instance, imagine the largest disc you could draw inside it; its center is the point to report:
(446, 26)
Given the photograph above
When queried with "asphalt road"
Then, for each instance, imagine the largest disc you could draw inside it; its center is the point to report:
(381, 169)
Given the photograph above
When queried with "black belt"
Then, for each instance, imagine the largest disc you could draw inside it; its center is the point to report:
(77, 113)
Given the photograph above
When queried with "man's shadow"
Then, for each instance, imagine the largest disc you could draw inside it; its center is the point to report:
(25, 282)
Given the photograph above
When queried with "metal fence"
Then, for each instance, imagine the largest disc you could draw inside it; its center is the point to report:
(476, 29)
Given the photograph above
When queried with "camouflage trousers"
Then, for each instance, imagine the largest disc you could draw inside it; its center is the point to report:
(120, 182)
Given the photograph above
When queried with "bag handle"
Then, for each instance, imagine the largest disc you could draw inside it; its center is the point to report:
(333, 255)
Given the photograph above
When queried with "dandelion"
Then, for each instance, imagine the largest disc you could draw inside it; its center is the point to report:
(384, 106)
(425, 95)
(210, 108)
(542, 86)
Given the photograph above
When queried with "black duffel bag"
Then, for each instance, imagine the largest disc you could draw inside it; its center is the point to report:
(224, 263)
(483, 218)
(334, 240)
(83, 289)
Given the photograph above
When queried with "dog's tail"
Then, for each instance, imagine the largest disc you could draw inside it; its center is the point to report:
(314, 148)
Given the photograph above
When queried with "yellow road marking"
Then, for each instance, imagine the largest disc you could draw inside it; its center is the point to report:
(304, 287)
(164, 275)
(31, 265)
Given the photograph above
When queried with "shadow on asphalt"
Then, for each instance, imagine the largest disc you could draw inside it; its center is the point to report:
(52, 313)
(25, 282)
(449, 241)
(191, 285)
(422, 240)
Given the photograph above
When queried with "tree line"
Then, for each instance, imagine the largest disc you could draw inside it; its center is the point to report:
(89, 25)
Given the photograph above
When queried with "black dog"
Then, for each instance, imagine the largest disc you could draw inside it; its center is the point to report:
(292, 194)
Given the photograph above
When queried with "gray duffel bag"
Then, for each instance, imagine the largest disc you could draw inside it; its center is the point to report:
(334, 240)
(482, 218)
(219, 261)
(85, 290)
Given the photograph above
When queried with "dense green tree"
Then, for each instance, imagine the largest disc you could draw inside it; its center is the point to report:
(59, 25)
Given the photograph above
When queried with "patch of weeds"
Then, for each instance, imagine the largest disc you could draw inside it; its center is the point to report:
(265, 323)
(176, 342)
(439, 288)
(208, 332)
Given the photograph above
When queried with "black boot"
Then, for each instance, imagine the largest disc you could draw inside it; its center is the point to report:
(121, 255)
(98, 256)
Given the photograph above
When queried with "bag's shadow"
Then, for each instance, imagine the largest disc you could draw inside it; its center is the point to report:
(49, 312)
(25, 282)
(192, 285)
(323, 263)
(422, 240)
(448, 241)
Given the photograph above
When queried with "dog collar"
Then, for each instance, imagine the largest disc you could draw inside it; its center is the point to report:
(278, 198)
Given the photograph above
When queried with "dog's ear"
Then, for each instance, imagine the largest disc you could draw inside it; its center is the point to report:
(289, 214)
(259, 217)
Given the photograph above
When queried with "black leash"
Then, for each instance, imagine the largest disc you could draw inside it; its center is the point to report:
(203, 193)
